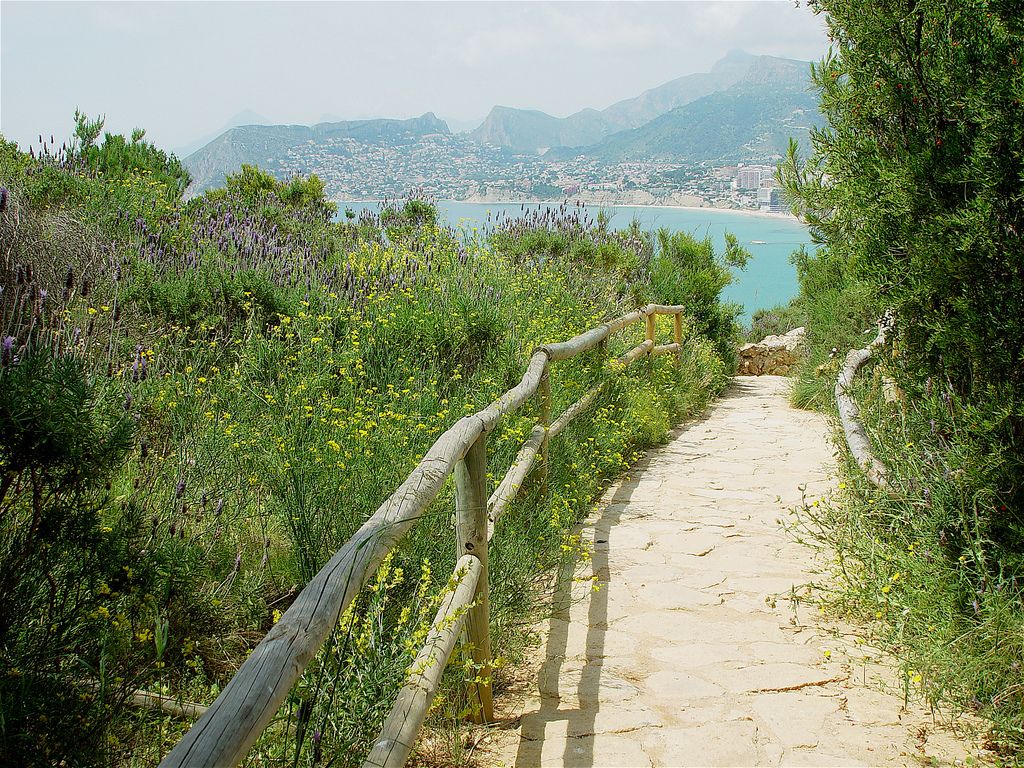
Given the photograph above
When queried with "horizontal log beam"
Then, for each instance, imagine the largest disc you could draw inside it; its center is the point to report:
(849, 414)
(666, 349)
(575, 410)
(593, 337)
(635, 353)
(510, 484)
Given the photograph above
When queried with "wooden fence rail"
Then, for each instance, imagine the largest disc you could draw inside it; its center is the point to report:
(225, 733)
(849, 413)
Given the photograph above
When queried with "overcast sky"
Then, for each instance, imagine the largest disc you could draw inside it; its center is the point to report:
(181, 70)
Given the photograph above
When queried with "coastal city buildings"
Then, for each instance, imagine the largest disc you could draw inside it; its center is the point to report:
(453, 167)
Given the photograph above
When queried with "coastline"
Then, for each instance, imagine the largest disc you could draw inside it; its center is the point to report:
(598, 204)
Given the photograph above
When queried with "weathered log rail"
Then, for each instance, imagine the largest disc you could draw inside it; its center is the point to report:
(849, 413)
(225, 733)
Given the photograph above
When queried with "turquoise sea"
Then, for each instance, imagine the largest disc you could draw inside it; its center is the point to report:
(769, 278)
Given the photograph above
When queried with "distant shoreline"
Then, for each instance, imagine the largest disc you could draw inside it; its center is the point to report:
(597, 205)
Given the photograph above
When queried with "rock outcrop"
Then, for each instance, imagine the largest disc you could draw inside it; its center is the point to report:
(773, 355)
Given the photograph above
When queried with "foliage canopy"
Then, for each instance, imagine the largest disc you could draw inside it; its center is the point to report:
(917, 181)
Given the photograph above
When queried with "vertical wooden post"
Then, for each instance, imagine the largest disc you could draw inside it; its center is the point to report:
(471, 535)
(545, 419)
(650, 338)
(677, 335)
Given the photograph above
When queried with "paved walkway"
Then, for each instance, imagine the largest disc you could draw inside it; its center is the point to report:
(696, 649)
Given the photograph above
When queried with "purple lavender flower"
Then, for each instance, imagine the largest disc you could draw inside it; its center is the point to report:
(220, 506)
(7, 353)
(180, 491)
(3, 199)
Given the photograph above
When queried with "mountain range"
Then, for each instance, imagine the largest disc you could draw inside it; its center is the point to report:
(744, 109)
(753, 118)
(530, 130)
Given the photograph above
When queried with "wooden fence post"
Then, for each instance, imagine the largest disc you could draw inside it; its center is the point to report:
(650, 338)
(545, 419)
(471, 535)
(677, 335)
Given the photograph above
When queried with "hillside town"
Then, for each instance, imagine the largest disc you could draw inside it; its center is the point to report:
(454, 167)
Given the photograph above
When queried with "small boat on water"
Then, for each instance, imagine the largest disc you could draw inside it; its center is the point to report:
(758, 242)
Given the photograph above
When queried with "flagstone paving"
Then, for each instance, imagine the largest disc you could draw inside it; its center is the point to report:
(698, 646)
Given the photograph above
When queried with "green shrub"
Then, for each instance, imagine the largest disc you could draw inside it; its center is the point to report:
(688, 271)
(58, 451)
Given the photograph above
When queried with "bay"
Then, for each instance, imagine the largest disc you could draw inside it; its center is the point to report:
(768, 280)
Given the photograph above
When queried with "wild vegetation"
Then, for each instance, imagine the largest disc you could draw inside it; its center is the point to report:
(914, 191)
(200, 401)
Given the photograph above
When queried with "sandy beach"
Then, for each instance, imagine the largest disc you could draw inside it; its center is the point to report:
(597, 203)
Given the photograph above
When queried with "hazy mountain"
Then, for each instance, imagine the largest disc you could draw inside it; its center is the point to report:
(745, 108)
(530, 130)
(458, 125)
(267, 146)
(751, 119)
(632, 113)
(245, 117)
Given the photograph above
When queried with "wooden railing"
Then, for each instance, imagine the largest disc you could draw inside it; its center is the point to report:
(849, 414)
(231, 725)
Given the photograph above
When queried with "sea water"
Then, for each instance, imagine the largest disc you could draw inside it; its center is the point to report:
(769, 278)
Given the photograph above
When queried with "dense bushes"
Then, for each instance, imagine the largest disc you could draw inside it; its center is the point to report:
(688, 271)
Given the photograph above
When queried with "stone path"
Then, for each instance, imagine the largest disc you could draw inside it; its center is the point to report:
(696, 649)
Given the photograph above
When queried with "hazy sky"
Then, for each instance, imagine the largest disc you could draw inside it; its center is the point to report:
(181, 70)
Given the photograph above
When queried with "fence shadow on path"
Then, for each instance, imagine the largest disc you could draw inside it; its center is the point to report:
(579, 709)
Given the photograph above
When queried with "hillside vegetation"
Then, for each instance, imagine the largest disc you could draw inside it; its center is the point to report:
(915, 189)
(201, 401)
